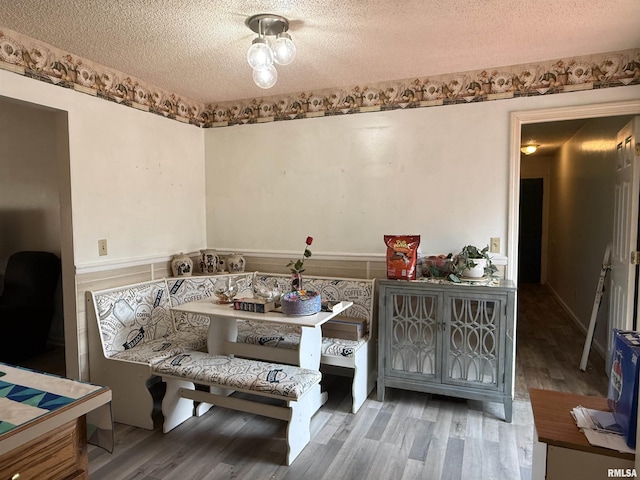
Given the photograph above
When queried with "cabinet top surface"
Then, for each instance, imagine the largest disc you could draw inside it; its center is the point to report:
(426, 283)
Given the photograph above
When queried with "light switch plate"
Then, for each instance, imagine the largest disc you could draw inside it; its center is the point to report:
(494, 246)
(102, 247)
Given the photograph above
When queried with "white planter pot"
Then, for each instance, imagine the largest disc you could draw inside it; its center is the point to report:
(477, 271)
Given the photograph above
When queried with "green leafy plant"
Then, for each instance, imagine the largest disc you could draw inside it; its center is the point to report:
(296, 265)
(466, 260)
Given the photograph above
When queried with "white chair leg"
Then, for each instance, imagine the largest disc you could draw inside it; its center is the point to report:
(175, 408)
(299, 426)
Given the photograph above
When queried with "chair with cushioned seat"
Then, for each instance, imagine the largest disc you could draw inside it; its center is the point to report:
(27, 304)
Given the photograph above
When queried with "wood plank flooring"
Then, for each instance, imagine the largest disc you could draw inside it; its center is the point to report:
(549, 348)
(409, 436)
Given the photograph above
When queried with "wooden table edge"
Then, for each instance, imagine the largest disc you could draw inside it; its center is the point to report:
(556, 426)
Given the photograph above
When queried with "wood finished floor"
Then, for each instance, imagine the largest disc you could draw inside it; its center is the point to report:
(409, 436)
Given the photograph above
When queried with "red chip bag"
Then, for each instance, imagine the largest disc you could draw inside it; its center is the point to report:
(402, 256)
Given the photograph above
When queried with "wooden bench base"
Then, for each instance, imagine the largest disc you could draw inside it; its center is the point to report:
(298, 401)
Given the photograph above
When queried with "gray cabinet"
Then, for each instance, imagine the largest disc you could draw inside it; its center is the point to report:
(448, 339)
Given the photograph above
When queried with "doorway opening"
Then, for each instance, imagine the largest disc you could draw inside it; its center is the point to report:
(530, 232)
(36, 213)
(575, 299)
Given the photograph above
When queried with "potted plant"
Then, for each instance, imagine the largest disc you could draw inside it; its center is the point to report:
(472, 262)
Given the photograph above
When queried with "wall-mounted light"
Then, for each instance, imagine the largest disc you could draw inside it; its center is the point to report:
(529, 148)
(264, 53)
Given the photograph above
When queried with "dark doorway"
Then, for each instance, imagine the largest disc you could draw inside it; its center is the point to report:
(530, 233)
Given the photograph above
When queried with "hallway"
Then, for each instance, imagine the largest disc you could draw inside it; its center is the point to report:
(549, 348)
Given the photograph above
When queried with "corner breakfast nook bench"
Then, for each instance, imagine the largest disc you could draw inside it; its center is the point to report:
(131, 328)
(289, 384)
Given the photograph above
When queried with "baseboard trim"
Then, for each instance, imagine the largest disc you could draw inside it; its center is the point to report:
(597, 345)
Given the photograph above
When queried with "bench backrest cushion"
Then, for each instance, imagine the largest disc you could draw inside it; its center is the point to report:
(195, 288)
(358, 291)
(132, 315)
(240, 374)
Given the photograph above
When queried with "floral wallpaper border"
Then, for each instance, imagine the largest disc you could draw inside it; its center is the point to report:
(38, 60)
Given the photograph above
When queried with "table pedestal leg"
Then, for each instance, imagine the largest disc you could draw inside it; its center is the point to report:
(310, 348)
(221, 330)
(309, 354)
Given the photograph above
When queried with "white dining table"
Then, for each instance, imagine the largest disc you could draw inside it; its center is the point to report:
(223, 333)
(223, 330)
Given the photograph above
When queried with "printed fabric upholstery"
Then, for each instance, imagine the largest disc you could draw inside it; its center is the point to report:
(132, 316)
(191, 339)
(268, 334)
(152, 352)
(287, 336)
(338, 347)
(193, 289)
(240, 374)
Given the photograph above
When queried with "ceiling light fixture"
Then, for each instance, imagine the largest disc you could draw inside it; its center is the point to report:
(263, 54)
(529, 148)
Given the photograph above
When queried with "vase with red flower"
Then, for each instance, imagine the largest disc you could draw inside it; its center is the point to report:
(297, 266)
(296, 282)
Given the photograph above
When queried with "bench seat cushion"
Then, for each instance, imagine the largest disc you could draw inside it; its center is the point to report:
(151, 352)
(239, 374)
(339, 347)
(191, 339)
(287, 336)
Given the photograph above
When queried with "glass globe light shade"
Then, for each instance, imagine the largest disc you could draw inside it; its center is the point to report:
(260, 54)
(265, 77)
(284, 50)
(529, 148)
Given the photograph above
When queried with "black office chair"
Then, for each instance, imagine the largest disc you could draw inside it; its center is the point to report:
(27, 304)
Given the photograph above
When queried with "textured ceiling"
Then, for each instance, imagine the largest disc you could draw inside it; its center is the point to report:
(197, 48)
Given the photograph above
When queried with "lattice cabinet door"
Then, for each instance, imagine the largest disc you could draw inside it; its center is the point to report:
(473, 341)
(413, 335)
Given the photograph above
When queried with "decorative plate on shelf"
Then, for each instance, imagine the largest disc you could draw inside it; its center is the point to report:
(10, 51)
(432, 91)
(86, 76)
(579, 73)
(501, 83)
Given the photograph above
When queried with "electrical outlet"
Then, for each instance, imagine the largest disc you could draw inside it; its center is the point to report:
(102, 247)
(494, 246)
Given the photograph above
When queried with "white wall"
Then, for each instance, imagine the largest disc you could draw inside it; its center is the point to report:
(137, 179)
(441, 172)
